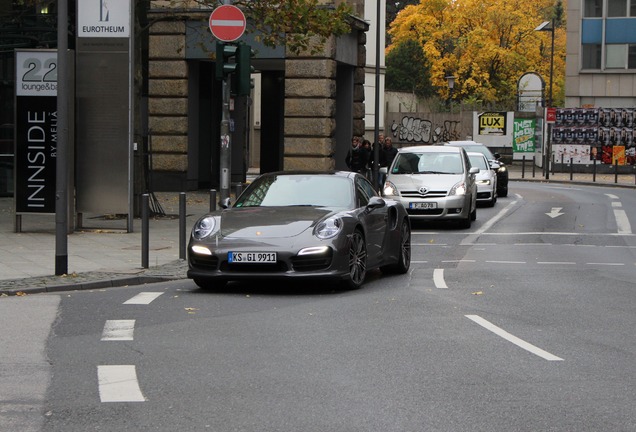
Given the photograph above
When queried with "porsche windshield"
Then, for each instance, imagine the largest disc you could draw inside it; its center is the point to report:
(298, 190)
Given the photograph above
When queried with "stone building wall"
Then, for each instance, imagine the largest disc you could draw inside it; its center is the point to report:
(168, 96)
(310, 100)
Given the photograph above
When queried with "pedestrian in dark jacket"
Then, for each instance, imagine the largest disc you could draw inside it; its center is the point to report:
(357, 157)
(387, 154)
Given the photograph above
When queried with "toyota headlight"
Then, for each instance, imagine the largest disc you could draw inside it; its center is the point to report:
(458, 189)
(390, 189)
(204, 227)
(484, 182)
(328, 228)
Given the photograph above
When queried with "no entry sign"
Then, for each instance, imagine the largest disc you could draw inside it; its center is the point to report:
(227, 23)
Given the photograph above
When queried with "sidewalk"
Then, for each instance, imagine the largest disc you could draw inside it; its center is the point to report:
(100, 254)
(103, 254)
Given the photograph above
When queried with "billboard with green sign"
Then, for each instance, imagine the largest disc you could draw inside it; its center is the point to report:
(523, 138)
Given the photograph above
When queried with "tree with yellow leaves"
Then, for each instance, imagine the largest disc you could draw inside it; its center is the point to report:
(486, 46)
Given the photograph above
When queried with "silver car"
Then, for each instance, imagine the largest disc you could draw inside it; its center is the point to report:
(434, 183)
(486, 179)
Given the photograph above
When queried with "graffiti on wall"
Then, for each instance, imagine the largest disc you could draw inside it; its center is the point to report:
(417, 130)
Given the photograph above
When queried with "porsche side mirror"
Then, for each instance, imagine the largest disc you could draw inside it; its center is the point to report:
(225, 203)
(376, 202)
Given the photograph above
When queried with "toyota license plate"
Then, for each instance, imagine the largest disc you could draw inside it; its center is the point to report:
(251, 257)
(423, 205)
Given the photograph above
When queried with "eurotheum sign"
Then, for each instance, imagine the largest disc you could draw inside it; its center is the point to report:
(103, 18)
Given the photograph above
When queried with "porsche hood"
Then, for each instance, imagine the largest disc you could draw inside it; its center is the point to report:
(270, 222)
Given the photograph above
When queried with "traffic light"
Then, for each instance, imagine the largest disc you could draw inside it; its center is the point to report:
(242, 81)
(224, 52)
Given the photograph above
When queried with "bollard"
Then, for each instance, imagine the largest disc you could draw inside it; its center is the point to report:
(571, 168)
(616, 171)
(182, 225)
(534, 165)
(145, 234)
(594, 171)
(238, 190)
(212, 200)
(523, 166)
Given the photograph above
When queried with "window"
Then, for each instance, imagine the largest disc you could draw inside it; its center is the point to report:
(615, 56)
(617, 8)
(631, 57)
(593, 8)
(591, 56)
(632, 8)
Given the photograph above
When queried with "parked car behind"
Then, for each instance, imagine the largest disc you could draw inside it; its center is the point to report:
(486, 179)
(434, 183)
(494, 159)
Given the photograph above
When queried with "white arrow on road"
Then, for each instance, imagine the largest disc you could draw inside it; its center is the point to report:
(555, 212)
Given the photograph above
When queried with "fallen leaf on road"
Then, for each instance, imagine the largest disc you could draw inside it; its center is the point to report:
(478, 293)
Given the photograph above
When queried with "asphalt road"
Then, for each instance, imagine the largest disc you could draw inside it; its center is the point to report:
(524, 322)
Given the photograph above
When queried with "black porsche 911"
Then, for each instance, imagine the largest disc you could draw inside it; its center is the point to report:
(306, 225)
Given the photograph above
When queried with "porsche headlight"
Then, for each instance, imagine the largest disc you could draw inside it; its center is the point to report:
(390, 189)
(502, 169)
(458, 189)
(328, 228)
(204, 227)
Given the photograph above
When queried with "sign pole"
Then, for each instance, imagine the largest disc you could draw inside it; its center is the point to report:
(227, 24)
(61, 175)
(225, 157)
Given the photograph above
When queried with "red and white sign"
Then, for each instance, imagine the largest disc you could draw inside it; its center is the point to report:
(227, 23)
(550, 115)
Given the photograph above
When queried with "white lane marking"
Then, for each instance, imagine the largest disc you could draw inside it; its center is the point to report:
(118, 330)
(513, 339)
(506, 262)
(617, 204)
(143, 298)
(458, 261)
(541, 233)
(611, 196)
(493, 220)
(606, 263)
(438, 278)
(533, 244)
(556, 262)
(622, 222)
(118, 383)
(418, 262)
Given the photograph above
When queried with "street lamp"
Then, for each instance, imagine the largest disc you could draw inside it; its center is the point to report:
(451, 87)
(549, 26)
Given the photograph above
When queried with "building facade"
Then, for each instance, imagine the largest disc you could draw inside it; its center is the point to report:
(302, 113)
(595, 129)
(601, 54)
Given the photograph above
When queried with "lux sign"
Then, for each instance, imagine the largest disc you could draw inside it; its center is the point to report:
(493, 123)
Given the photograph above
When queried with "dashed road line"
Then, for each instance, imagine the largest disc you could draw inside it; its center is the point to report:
(118, 330)
(143, 298)
(513, 339)
(438, 279)
(118, 383)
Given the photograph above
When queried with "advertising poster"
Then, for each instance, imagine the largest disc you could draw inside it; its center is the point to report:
(492, 123)
(523, 136)
(36, 131)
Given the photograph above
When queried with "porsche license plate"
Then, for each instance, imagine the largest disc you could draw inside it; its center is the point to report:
(423, 205)
(251, 257)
